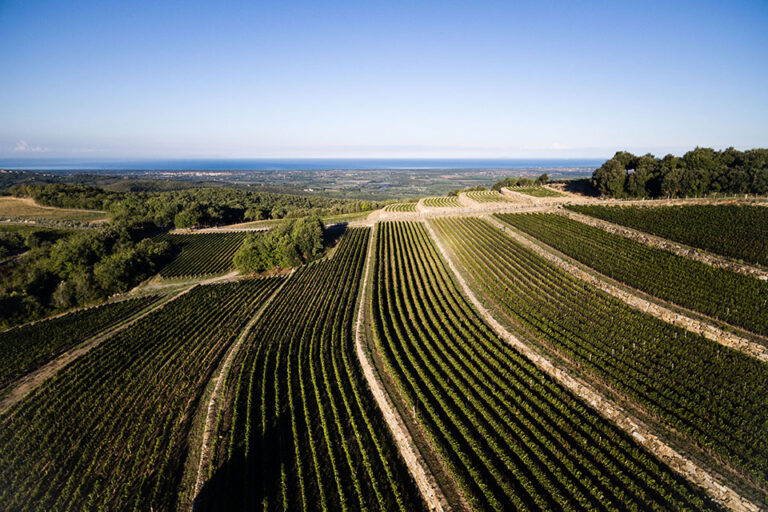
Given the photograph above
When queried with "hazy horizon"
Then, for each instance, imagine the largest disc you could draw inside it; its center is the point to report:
(293, 164)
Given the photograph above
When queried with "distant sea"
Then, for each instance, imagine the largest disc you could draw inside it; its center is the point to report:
(289, 164)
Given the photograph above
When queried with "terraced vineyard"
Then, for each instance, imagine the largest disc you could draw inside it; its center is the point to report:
(109, 432)
(511, 437)
(734, 298)
(736, 231)
(305, 432)
(400, 207)
(202, 254)
(24, 349)
(537, 191)
(485, 196)
(715, 397)
(442, 202)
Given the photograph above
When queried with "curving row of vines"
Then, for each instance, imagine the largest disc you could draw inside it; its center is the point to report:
(400, 207)
(442, 202)
(537, 191)
(713, 396)
(485, 196)
(202, 253)
(720, 293)
(736, 231)
(511, 437)
(304, 432)
(109, 431)
(26, 348)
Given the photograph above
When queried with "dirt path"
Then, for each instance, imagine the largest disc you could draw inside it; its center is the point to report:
(216, 402)
(606, 408)
(515, 196)
(701, 255)
(703, 328)
(425, 481)
(157, 283)
(30, 382)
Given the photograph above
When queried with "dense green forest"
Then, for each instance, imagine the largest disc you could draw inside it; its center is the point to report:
(193, 207)
(83, 267)
(16, 239)
(700, 172)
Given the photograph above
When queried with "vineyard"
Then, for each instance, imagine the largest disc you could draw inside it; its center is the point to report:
(485, 196)
(202, 254)
(734, 298)
(512, 438)
(26, 348)
(537, 191)
(442, 202)
(400, 207)
(716, 397)
(736, 231)
(304, 431)
(109, 431)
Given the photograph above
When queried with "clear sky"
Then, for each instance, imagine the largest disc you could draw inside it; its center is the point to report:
(192, 79)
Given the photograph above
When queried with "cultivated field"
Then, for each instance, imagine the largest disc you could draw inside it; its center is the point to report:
(485, 196)
(537, 191)
(442, 202)
(471, 360)
(26, 210)
(713, 395)
(25, 348)
(109, 432)
(511, 437)
(202, 254)
(736, 231)
(734, 298)
(303, 433)
(400, 207)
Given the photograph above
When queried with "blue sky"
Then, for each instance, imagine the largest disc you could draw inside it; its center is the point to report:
(390, 79)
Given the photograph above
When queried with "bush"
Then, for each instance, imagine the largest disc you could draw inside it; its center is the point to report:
(10, 243)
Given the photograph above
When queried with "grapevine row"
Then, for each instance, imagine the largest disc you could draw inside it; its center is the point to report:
(511, 437)
(202, 253)
(736, 231)
(305, 432)
(400, 207)
(109, 431)
(715, 396)
(442, 202)
(485, 196)
(537, 191)
(720, 293)
(26, 348)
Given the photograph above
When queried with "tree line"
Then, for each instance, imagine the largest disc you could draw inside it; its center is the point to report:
(699, 172)
(189, 208)
(520, 182)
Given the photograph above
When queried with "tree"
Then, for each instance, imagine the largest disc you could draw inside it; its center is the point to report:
(642, 170)
(525, 182)
(189, 217)
(610, 177)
